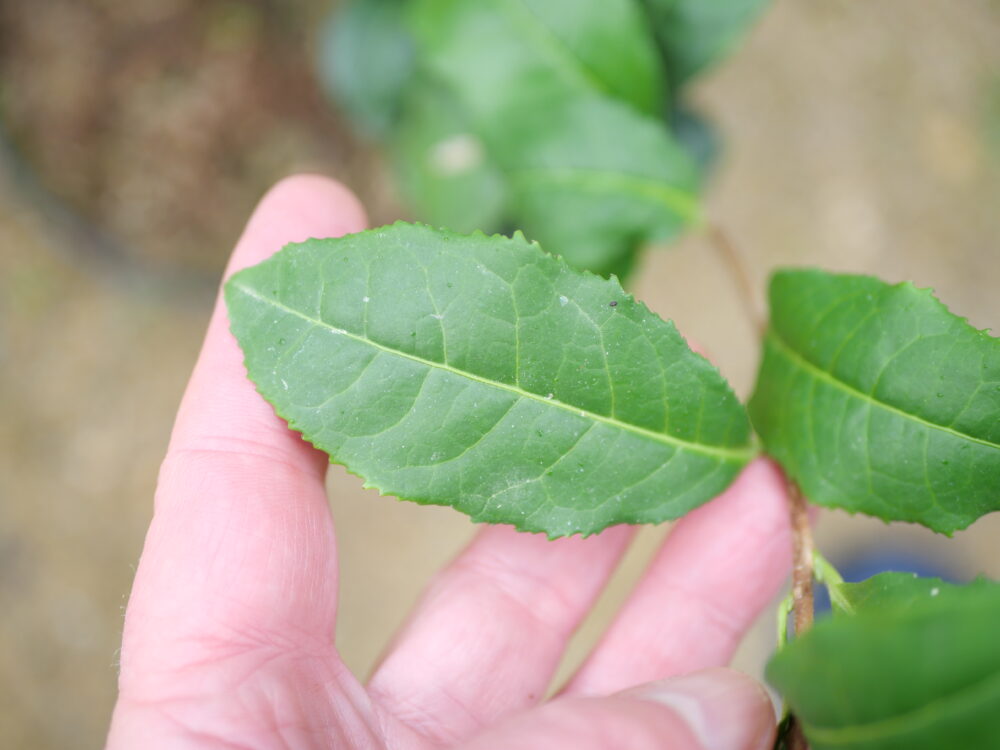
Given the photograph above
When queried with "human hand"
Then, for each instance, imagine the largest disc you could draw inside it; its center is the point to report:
(228, 638)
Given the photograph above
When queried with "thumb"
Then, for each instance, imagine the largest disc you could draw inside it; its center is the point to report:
(717, 709)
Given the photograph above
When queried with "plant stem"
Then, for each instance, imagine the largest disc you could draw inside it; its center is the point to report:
(803, 552)
(830, 577)
(734, 262)
(802, 561)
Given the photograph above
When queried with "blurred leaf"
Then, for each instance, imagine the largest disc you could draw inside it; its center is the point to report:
(897, 590)
(875, 398)
(907, 675)
(443, 166)
(497, 54)
(366, 59)
(695, 33)
(479, 372)
(593, 180)
(697, 135)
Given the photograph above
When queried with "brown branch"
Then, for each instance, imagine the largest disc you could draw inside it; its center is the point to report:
(802, 584)
(802, 561)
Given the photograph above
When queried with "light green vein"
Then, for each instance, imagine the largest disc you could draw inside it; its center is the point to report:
(726, 454)
(678, 200)
(909, 722)
(827, 377)
(559, 54)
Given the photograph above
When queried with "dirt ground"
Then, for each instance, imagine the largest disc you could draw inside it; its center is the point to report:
(859, 136)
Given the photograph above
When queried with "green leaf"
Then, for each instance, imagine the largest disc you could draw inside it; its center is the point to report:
(366, 60)
(593, 181)
(499, 53)
(695, 33)
(697, 135)
(443, 166)
(899, 590)
(479, 372)
(909, 675)
(560, 94)
(877, 399)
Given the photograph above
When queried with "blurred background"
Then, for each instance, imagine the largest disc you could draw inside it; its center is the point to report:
(135, 138)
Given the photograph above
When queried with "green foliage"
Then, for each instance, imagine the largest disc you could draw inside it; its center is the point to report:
(548, 115)
(693, 34)
(443, 165)
(501, 55)
(366, 62)
(479, 372)
(899, 590)
(875, 398)
(916, 668)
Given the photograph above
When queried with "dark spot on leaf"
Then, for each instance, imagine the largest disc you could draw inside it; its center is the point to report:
(613, 303)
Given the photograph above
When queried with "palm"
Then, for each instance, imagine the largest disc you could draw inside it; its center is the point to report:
(228, 630)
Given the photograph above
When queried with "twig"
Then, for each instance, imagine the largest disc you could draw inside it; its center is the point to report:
(802, 584)
(802, 561)
(733, 261)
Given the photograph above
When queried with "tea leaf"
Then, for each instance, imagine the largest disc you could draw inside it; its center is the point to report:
(443, 165)
(479, 372)
(592, 198)
(497, 54)
(912, 674)
(366, 61)
(695, 33)
(565, 97)
(877, 399)
(898, 590)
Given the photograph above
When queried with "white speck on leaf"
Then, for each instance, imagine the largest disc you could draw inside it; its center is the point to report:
(437, 316)
(935, 591)
(457, 154)
(563, 299)
(284, 384)
(366, 299)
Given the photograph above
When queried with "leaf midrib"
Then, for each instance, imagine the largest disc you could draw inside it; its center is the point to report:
(888, 726)
(726, 454)
(822, 374)
(675, 199)
(559, 52)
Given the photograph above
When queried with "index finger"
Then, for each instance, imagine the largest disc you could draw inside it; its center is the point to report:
(241, 543)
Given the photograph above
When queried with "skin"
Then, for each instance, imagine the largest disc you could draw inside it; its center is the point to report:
(228, 632)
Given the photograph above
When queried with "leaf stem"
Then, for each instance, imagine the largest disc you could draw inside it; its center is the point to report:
(803, 555)
(830, 577)
(732, 259)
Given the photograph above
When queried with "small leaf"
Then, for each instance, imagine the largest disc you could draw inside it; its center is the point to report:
(479, 372)
(877, 399)
(898, 590)
(366, 61)
(593, 181)
(443, 165)
(695, 33)
(909, 675)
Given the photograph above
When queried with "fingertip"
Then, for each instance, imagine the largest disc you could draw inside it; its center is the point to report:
(297, 208)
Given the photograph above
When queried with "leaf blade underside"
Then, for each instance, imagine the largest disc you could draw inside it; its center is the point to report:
(483, 374)
(876, 399)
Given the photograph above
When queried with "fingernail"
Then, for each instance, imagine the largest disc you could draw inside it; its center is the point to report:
(724, 710)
